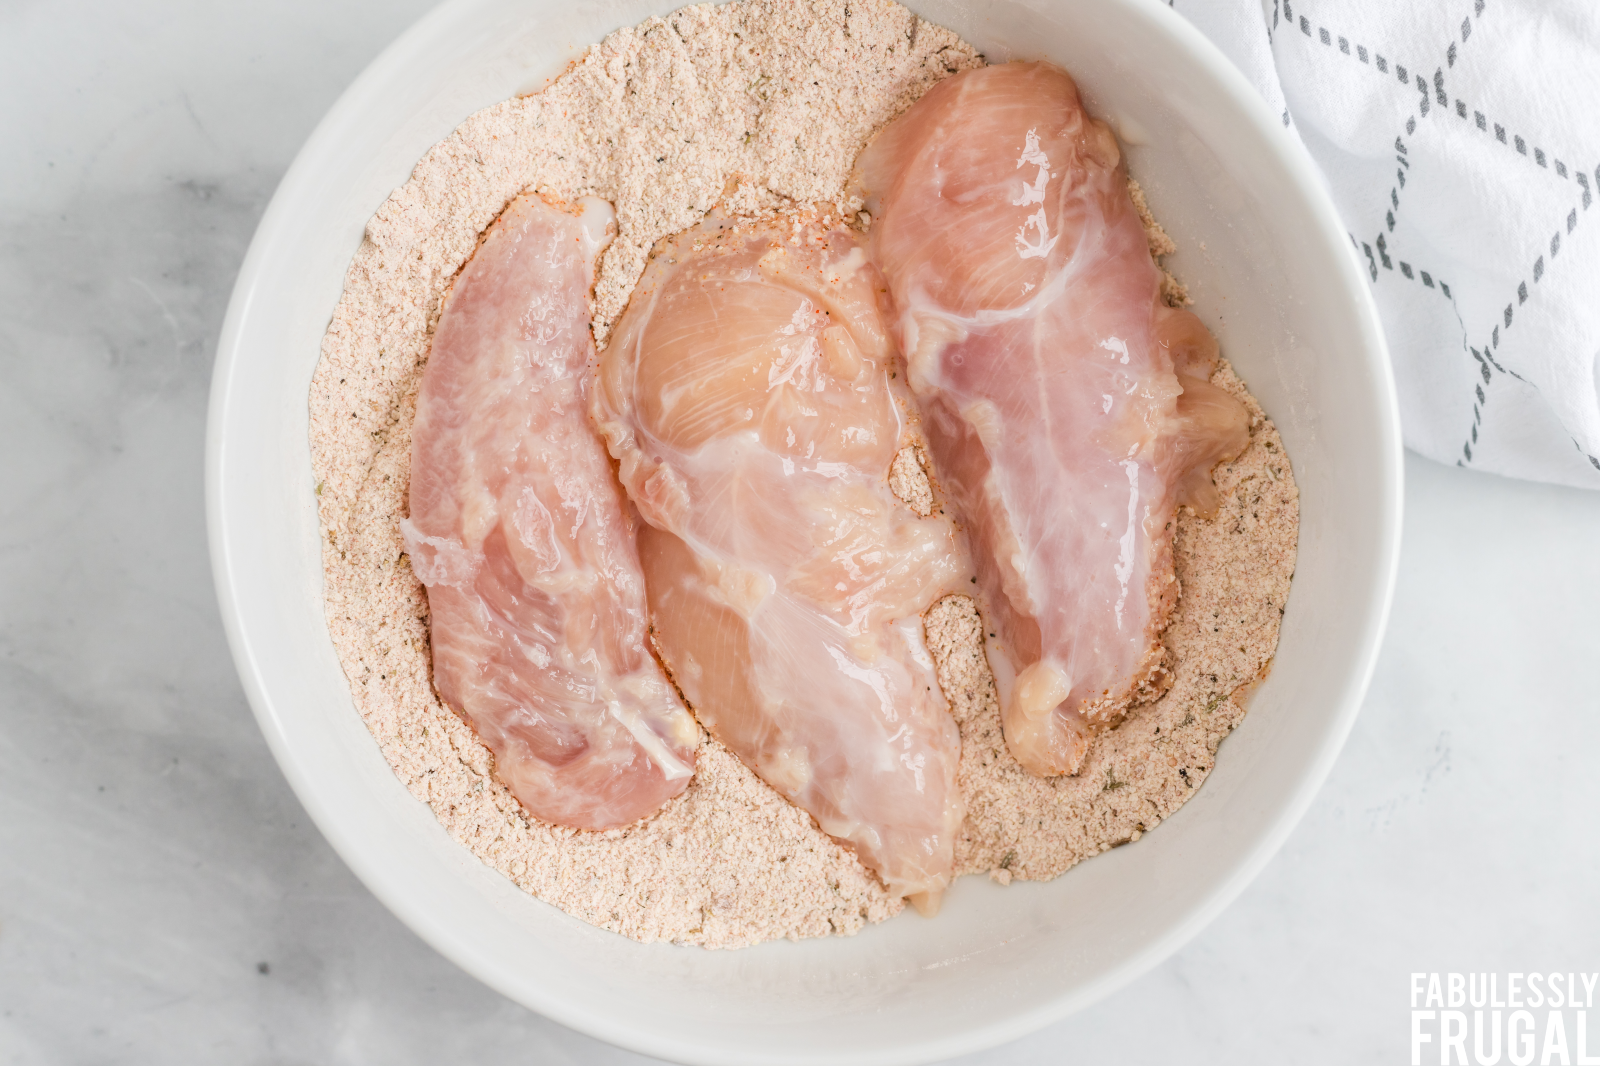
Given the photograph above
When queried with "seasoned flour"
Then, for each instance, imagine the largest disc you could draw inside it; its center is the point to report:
(762, 106)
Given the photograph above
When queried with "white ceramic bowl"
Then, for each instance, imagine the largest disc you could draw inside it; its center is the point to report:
(1271, 271)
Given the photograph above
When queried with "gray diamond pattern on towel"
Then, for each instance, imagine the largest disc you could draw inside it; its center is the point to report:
(1460, 140)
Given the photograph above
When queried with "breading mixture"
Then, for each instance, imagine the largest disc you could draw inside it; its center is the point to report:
(762, 106)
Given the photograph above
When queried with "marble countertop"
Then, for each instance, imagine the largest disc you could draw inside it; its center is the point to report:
(163, 898)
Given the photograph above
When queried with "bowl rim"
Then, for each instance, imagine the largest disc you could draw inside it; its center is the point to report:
(411, 48)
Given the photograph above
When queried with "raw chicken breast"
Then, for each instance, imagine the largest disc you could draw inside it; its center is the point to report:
(1068, 410)
(525, 542)
(746, 394)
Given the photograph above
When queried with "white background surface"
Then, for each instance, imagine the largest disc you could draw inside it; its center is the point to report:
(164, 899)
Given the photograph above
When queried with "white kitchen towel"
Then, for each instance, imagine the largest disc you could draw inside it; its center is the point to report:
(1460, 140)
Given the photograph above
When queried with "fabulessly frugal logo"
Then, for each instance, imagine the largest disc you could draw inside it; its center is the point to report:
(1482, 1019)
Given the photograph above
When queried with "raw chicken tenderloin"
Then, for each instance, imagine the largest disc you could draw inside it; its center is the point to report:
(1067, 409)
(746, 394)
(526, 544)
